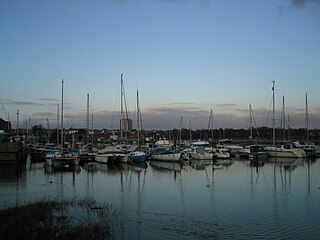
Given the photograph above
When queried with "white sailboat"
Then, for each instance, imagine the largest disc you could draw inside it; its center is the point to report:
(113, 154)
(309, 147)
(138, 155)
(164, 154)
(287, 150)
(62, 158)
(200, 150)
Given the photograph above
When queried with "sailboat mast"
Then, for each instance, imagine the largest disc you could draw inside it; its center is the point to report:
(92, 128)
(190, 131)
(284, 119)
(58, 125)
(17, 125)
(48, 129)
(121, 108)
(124, 120)
(87, 118)
(250, 121)
(307, 118)
(273, 116)
(210, 123)
(62, 115)
(138, 118)
(288, 127)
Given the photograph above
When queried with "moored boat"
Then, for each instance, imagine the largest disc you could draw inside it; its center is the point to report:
(138, 156)
(309, 147)
(164, 154)
(220, 154)
(254, 152)
(287, 150)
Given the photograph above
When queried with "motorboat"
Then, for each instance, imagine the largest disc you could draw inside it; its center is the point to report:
(310, 148)
(254, 152)
(287, 150)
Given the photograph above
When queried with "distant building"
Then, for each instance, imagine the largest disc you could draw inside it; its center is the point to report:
(126, 124)
(5, 125)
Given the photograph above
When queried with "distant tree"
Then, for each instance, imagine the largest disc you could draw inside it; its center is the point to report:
(40, 133)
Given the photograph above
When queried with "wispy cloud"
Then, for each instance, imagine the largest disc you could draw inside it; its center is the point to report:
(43, 114)
(317, 110)
(303, 3)
(159, 117)
(226, 105)
(180, 103)
(48, 99)
(23, 103)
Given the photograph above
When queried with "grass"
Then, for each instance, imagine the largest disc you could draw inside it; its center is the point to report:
(58, 219)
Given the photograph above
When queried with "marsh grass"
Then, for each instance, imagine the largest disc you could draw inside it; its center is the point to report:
(58, 219)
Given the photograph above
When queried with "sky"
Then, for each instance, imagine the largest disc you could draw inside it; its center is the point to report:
(185, 57)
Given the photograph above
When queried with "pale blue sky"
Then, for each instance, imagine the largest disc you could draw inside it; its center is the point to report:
(185, 57)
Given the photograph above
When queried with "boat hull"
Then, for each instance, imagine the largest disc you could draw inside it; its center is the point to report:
(138, 157)
(170, 157)
(286, 153)
(103, 158)
(63, 161)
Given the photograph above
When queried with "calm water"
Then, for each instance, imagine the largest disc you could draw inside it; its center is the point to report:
(279, 200)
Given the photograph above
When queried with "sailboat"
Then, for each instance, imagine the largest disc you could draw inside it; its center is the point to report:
(254, 152)
(287, 150)
(88, 151)
(62, 158)
(137, 155)
(309, 147)
(118, 153)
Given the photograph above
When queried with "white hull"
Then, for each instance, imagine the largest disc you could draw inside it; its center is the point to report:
(197, 156)
(112, 158)
(49, 161)
(63, 161)
(286, 153)
(122, 158)
(102, 158)
(221, 155)
(49, 157)
(170, 157)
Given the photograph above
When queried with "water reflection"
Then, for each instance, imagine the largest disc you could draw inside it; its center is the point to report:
(191, 200)
(53, 170)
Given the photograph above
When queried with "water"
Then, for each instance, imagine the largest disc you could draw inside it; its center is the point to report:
(279, 200)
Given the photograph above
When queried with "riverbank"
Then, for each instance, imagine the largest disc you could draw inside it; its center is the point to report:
(58, 219)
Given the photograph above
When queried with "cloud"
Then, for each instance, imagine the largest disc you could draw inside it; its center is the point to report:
(203, 3)
(226, 105)
(180, 103)
(48, 99)
(23, 103)
(173, 108)
(317, 109)
(169, 118)
(302, 3)
(43, 114)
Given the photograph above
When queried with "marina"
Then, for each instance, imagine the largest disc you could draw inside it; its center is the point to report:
(172, 120)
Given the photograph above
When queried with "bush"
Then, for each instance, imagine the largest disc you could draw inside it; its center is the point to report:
(67, 219)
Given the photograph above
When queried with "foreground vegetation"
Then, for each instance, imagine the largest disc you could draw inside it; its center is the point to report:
(67, 219)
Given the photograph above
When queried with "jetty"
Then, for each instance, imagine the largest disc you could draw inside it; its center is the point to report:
(12, 153)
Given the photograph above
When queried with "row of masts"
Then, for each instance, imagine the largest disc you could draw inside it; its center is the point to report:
(124, 115)
(283, 117)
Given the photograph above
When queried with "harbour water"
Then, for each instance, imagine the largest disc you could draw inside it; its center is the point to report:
(194, 200)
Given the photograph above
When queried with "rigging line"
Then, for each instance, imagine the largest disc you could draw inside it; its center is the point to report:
(115, 107)
(125, 102)
(255, 124)
(3, 108)
(269, 112)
